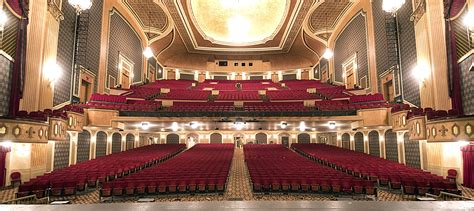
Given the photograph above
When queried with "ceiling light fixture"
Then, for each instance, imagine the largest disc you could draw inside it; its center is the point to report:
(194, 125)
(283, 125)
(148, 52)
(392, 6)
(52, 72)
(80, 5)
(239, 123)
(174, 126)
(421, 72)
(302, 126)
(145, 125)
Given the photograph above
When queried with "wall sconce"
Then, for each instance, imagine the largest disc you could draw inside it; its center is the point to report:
(52, 72)
(421, 73)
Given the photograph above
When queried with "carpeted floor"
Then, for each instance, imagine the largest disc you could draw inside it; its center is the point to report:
(238, 189)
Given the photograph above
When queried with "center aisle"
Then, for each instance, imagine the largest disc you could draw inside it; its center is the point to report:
(238, 187)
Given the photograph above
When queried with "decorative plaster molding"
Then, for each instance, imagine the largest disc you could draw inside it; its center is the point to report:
(55, 9)
(419, 11)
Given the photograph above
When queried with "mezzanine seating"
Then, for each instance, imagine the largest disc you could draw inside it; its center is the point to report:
(77, 177)
(203, 168)
(238, 95)
(108, 98)
(131, 105)
(385, 172)
(274, 168)
(275, 106)
(334, 92)
(186, 95)
(291, 95)
(202, 107)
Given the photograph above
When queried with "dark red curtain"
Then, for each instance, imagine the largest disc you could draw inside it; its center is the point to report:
(468, 165)
(451, 9)
(3, 170)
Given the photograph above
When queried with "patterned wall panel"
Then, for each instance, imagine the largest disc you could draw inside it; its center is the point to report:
(10, 33)
(216, 138)
(101, 144)
(467, 85)
(129, 140)
(116, 142)
(172, 139)
(65, 57)
(346, 141)
(411, 92)
(83, 146)
(304, 138)
(92, 49)
(412, 152)
(61, 154)
(123, 40)
(359, 142)
(5, 87)
(261, 138)
(391, 145)
(374, 144)
(352, 40)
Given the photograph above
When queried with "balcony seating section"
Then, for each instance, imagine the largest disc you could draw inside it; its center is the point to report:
(88, 174)
(334, 92)
(148, 106)
(44, 115)
(275, 106)
(143, 92)
(274, 168)
(202, 107)
(344, 105)
(430, 114)
(367, 98)
(253, 86)
(245, 85)
(108, 98)
(203, 168)
(186, 95)
(151, 90)
(238, 95)
(305, 84)
(291, 95)
(397, 176)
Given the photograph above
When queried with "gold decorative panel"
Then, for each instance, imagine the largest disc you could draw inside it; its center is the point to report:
(57, 129)
(399, 121)
(417, 128)
(23, 131)
(75, 121)
(39, 155)
(450, 130)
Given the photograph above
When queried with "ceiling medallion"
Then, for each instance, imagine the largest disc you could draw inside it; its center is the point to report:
(455, 130)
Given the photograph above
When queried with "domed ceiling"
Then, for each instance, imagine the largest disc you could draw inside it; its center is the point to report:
(238, 22)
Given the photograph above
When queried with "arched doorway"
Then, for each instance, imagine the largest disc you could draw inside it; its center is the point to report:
(116, 142)
(129, 141)
(374, 144)
(191, 140)
(346, 141)
(172, 139)
(261, 138)
(359, 142)
(83, 146)
(216, 138)
(101, 144)
(304, 138)
(412, 151)
(391, 145)
(285, 139)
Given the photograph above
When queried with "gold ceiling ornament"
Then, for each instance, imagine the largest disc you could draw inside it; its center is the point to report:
(239, 22)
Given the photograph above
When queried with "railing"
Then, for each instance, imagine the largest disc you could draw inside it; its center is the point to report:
(444, 196)
(237, 113)
(32, 199)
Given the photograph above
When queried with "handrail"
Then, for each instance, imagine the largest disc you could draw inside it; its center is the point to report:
(31, 199)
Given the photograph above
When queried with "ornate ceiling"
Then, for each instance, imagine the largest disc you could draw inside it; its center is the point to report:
(204, 30)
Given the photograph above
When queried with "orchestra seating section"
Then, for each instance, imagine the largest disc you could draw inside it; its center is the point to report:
(275, 168)
(202, 169)
(410, 180)
(199, 96)
(88, 174)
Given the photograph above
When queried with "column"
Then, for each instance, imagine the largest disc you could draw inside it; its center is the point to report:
(73, 136)
(50, 160)
(366, 143)
(93, 145)
(123, 143)
(401, 147)
(108, 151)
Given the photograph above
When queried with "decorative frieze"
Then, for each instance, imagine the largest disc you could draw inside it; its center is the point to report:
(76, 121)
(399, 121)
(450, 130)
(417, 128)
(57, 129)
(24, 131)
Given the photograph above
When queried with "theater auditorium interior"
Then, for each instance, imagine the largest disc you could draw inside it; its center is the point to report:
(236, 104)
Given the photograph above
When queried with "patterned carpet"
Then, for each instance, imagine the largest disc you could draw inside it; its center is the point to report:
(238, 189)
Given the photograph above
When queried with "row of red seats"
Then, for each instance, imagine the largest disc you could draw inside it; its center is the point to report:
(333, 92)
(274, 168)
(42, 115)
(291, 95)
(143, 92)
(87, 174)
(108, 98)
(238, 95)
(275, 106)
(377, 97)
(385, 172)
(124, 107)
(351, 107)
(304, 84)
(186, 95)
(203, 168)
(201, 107)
